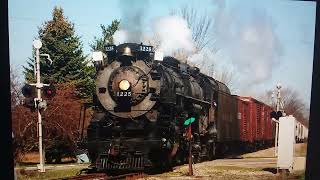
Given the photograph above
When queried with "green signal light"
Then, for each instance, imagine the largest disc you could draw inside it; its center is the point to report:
(189, 121)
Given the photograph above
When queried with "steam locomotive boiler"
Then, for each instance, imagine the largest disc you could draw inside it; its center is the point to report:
(141, 105)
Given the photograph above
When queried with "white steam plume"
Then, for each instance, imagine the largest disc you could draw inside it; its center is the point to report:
(120, 36)
(131, 27)
(173, 35)
(170, 34)
(253, 46)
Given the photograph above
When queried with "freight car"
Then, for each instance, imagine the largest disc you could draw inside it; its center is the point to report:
(256, 127)
(141, 104)
(301, 132)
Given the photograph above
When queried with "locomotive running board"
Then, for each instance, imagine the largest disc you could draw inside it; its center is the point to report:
(189, 97)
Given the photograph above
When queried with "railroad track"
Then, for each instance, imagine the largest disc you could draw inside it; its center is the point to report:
(102, 176)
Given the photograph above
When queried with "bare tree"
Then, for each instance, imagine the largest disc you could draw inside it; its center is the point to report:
(24, 122)
(225, 75)
(199, 24)
(267, 98)
(292, 102)
(15, 87)
(154, 41)
(61, 123)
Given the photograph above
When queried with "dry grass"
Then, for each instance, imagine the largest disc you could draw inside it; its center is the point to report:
(49, 174)
(217, 172)
(221, 170)
(210, 170)
(205, 171)
(300, 151)
(31, 159)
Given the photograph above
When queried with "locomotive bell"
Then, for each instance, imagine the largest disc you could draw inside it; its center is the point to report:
(127, 52)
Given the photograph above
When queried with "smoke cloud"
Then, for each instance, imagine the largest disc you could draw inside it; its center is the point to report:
(173, 35)
(132, 15)
(170, 34)
(120, 36)
(247, 42)
(250, 42)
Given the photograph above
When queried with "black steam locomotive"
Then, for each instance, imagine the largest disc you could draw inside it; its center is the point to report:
(141, 105)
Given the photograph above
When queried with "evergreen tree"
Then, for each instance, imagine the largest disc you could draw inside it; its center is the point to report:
(65, 49)
(107, 36)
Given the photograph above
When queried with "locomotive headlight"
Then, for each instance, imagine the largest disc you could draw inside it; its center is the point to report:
(124, 85)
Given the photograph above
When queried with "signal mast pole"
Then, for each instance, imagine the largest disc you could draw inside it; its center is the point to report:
(39, 102)
(37, 45)
(278, 108)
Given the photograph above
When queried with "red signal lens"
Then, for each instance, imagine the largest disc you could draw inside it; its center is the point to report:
(49, 92)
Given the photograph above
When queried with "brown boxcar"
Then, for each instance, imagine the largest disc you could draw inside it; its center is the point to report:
(227, 123)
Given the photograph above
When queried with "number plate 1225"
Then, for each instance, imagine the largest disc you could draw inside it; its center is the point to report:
(120, 94)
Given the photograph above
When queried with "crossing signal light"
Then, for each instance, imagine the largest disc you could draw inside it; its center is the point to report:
(49, 91)
(28, 91)
(276, 114)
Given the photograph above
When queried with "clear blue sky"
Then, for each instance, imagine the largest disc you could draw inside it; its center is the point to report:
(292, 22)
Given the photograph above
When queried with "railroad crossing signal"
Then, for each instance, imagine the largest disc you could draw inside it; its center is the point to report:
(189, 121)
(31, 101)
(276, 114)
(32, 92)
